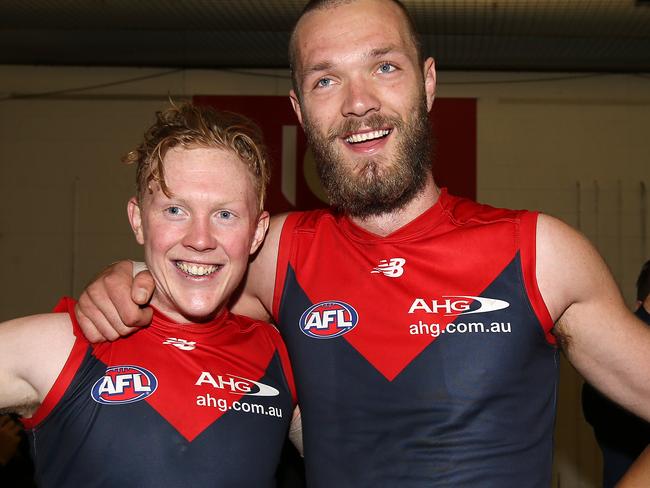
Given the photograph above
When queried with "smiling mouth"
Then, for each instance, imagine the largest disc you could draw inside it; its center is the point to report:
(195, 269)
(367, 136)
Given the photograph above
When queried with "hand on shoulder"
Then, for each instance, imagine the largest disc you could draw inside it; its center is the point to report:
(113, 305)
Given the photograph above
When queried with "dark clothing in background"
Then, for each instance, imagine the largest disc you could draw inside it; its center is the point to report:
(621, 435)
(18, 472)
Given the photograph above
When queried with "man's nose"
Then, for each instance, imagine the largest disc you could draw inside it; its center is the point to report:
(360, 98)
(200, 235)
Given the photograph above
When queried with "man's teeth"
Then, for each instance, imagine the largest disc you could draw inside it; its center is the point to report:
(367, 136)
(196, 269)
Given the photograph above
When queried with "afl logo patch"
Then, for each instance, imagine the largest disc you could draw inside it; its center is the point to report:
(124, 384)
(327, 320)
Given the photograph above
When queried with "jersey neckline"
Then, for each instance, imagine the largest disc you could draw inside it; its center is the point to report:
(162, 322)
(423, 223)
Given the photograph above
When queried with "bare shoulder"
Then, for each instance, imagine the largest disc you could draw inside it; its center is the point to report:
(33, 351)
(256, 297)
(47, 329)
(569, 269)
(600, 336)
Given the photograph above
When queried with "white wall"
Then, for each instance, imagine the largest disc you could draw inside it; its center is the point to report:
(575, 147)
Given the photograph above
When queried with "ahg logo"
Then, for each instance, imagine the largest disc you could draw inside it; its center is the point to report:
(236, 384)
(456, 305)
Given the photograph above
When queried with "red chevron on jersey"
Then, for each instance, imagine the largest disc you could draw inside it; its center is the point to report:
(170, 372)
(389, 349)
(225, 380)
(430, 347)
(171, 403)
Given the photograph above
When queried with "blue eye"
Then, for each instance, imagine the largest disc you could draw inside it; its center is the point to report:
(225, 214)
(173, 210)
(386, 68)
(323, 83)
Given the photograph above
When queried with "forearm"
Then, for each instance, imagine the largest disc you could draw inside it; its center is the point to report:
(638, 476)
(295, 431)
(611, 354)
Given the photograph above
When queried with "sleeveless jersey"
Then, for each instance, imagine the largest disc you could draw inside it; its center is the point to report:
(169, 406)
(423, 358)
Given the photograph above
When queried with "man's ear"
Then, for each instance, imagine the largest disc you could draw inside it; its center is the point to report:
(135, 218)
(295, 103)
(260, 231)
(430, 81)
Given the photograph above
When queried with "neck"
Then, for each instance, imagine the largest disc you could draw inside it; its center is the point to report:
(389, 222)
(172, 313)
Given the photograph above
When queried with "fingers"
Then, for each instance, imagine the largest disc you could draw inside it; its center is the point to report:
(106, 311)
(94, 324)
(114, 296)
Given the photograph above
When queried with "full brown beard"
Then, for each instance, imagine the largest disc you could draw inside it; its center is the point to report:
(378, 186)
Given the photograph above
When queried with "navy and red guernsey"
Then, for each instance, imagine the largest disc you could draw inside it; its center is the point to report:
(424, 358)
(169, 406)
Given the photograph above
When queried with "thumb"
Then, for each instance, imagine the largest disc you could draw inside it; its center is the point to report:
(142, 288)
(146, 315)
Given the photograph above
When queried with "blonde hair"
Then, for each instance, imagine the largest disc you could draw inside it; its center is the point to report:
(189, 126)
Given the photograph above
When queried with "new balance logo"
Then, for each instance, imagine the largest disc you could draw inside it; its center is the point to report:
(182, 344)
(393, 268)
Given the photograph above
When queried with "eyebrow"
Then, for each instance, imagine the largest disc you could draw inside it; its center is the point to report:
(323, 66)
(327, 65)
(379, 52)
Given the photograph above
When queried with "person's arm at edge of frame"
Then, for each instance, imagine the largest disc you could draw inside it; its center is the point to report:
(113, 305)
(600, 336)
(33, 351)
(295, 431)
(638, 476)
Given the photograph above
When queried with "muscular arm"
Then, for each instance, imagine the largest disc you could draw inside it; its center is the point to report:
(605, 342)
(33, 351)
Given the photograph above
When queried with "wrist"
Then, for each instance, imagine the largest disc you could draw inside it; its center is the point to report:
(138, 266)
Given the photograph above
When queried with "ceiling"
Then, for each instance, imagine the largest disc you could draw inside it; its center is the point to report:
(521, 35)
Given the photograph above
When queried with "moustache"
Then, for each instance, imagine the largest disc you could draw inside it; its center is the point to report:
(372, 122)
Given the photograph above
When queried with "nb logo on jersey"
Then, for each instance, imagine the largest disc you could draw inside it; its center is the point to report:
(182, 344)
(124, 384)
(393, 268)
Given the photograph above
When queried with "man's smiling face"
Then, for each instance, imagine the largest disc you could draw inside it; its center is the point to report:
(363, 103)
(198, 239)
